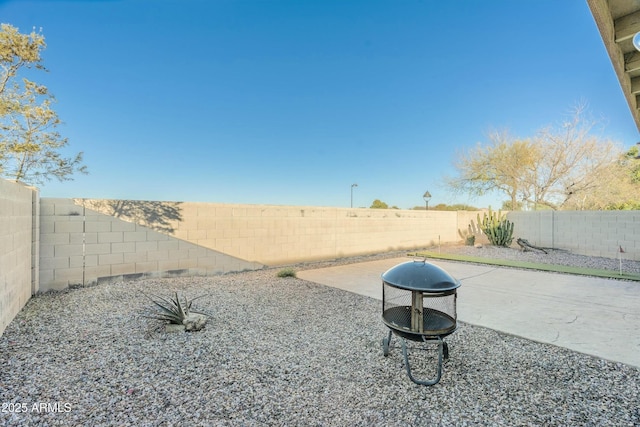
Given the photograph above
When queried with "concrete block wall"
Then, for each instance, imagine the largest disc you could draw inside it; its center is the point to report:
(55, 243)
(17, 231)
(593, 233)
(80, 246)
(466, 218)
(50, 244)
(35, 241)
(87, 241)
(277, 235)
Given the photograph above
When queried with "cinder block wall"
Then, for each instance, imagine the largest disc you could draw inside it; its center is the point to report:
(86, 241)
(277, 235)
(593, 233)
(54, 243)
(16, 262)
(80, 246)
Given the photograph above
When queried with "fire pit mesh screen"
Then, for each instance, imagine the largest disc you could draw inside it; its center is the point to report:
(438, 311)
(440, 314)
(397, 306)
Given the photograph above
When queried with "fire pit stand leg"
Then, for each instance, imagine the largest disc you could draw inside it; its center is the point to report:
(385, 344)
(434, 381)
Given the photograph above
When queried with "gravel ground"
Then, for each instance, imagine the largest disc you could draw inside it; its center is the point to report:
(559, 257)
(283, 352)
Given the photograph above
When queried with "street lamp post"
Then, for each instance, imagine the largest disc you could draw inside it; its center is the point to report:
(426, 196)
(352, 185)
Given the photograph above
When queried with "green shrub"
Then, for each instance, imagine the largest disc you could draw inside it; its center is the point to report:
(287, 272)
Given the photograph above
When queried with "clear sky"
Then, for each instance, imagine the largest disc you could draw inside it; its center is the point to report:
(290, 102)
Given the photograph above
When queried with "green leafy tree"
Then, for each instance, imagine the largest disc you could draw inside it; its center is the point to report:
(633, 156)
(617, 186)
(30, 144)
(445, 207)
(378, 204)
(509, 206)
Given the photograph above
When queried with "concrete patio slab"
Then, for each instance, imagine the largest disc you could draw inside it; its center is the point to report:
(595, 316)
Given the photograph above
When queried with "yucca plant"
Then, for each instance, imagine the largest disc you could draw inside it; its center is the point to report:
(177, 311)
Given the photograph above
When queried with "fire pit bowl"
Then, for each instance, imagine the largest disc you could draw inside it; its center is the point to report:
(419, 304)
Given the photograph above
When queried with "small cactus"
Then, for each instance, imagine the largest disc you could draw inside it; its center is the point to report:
(469, 235)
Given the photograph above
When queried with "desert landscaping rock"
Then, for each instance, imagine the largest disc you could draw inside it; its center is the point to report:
(283, 352)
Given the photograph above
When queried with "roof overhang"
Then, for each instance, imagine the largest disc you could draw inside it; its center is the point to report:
(618, 21)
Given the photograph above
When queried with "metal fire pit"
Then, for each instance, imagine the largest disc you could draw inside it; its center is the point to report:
(419, 304)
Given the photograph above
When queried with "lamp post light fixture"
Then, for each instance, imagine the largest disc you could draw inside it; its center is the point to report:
(636, 41)
(352, 185)
(426, 196)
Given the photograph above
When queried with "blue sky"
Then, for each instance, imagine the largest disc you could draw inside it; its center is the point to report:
(289, 102)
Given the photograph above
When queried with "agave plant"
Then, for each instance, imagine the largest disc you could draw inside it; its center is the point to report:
(177, 311)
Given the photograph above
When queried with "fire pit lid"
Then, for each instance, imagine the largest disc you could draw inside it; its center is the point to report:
(420, 276)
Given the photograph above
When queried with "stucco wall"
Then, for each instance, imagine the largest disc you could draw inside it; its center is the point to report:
(594, 233)
(16, 262)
